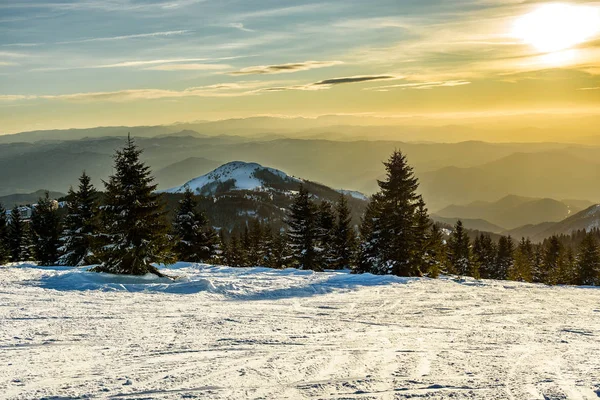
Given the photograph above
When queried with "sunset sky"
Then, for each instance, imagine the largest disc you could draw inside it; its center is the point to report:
(129, 62)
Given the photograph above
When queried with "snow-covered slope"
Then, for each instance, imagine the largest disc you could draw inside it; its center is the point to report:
(254, 333)
(236, 175)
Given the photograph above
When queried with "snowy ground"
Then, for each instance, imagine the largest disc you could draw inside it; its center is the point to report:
(223, 333)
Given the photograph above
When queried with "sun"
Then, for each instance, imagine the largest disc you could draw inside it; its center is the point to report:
(558, 26)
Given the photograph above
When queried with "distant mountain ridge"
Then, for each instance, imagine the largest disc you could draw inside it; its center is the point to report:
(513, 211)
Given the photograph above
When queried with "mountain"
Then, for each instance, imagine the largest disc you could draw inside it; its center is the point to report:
(239, 175)
(512, 211)
(473, 224)
(238, 191)
(182, 171)
(553, 174)
(584, 220)
(27, 198)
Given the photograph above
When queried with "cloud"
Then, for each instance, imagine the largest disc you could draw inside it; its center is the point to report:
(136, 63)
(420, 85)
(126, 37)
(240, 26)
(103, 5)
(246, 88)
(329, 83)
(353, 79)
(589, 88)
(284, 68)
(189, 67)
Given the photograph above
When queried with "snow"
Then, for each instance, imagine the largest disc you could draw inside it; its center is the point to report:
(227, 333)
(354, 193)
(241, 172)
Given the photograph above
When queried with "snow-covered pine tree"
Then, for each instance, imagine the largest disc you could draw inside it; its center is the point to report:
(196, 241)
(504, 258)
(370, 249)
(16, 233)
(80, 225)
(588, 262)
(4, 238)
(326, 234)
(27, 248)
(135, 231)
(399, 204)
(459, 250)
(302, 232)
(45, 225)
(484, 255)
(344, 241)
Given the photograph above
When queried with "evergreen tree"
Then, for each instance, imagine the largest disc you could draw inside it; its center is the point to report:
(302, 233)
(4, 237)
(399, 205)
(588, 262)
(45, 225)
(27, 247)
(326, 235)
(551, 261)
(278, 255)
(370, 259)
(80, 225)
(135, 228)
(196, 239)
(522, 268)
(344, 240)
(422, 242)
(16, 233)
(484, 255)
(504, 258)
(459, 250)
(567, 274)
(537, 272)
(256, 243)
(436, 254)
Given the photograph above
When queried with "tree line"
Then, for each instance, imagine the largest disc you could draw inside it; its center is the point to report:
(127, 232)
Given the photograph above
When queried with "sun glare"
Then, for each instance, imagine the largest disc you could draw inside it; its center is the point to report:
(558, 26)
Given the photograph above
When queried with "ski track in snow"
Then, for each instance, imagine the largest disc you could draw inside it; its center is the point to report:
(225, 333)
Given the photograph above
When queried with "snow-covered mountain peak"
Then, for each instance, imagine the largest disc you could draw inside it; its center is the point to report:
(235, 175)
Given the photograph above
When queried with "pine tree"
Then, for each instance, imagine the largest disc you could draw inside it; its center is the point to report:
(196, 241)
(80, 225)
(27, 247)
(4, 237)
(400, 202)
(551, 260)
(325, 235)
(484, 255)
(344, 240)
(255, 238)
(135, 228)
(436, 254)
(302, 233)
(588, 262)
(45, 225)
(459, 250)
(16, 232)
(567, 274)
(422, 242)
(504, 258)
(522, 268)
(370, 259)
(279, 255)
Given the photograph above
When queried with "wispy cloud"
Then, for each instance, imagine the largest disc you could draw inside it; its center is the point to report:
(103, 5)
(126, 37)
(590, 88)
(284, 68)
(136, 63)
(420, 85)
(189, 67)
(239, 26)
(329, 83)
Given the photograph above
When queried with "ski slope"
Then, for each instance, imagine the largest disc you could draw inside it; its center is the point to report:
(225, 333)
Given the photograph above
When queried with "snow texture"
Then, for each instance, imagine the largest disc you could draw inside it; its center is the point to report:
(241, 172)
(225, 333)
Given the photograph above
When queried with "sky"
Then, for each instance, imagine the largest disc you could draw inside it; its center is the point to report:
(66, 63)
